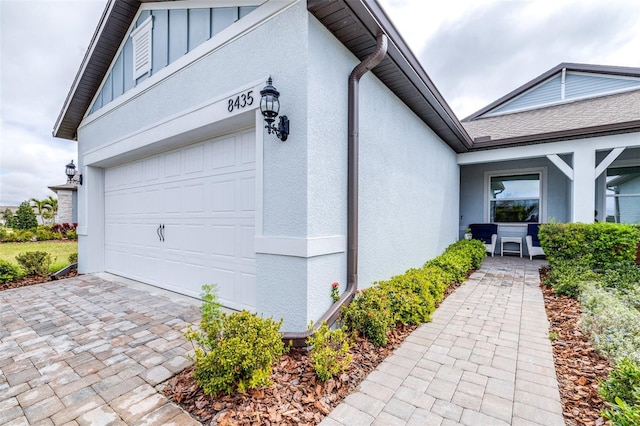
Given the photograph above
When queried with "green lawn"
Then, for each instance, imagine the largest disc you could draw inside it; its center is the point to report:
(59, 251)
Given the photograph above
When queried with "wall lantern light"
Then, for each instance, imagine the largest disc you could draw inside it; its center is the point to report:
(71, 174)
(270, 106)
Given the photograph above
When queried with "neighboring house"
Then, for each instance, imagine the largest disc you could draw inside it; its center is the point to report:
(67, 194)
(565, 146)
(182, 186)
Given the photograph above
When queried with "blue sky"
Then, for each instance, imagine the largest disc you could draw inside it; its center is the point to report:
(474, 51)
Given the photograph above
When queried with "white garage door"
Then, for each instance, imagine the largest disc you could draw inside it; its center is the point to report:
(185, 218)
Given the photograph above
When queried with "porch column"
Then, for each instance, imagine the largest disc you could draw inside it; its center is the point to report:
(584, 193)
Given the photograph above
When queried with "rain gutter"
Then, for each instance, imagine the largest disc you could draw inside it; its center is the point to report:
(298, 339)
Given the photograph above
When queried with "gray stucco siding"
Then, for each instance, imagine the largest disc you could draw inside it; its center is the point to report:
(409, 181)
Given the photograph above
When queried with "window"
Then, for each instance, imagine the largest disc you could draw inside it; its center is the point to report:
(514, 198)
(623, 195)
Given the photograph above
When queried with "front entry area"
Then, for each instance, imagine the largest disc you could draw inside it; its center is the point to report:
(186, 217)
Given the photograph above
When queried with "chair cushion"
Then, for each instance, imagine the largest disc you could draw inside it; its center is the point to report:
(532, 229)
(483, 231)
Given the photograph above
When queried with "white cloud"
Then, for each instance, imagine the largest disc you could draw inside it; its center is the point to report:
(42, 45)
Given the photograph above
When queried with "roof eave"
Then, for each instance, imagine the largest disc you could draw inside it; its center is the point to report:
(373, 19)
(96, 62)
(585, 132)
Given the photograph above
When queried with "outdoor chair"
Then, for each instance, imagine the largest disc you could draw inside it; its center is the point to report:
(487, 233)
(533, 243)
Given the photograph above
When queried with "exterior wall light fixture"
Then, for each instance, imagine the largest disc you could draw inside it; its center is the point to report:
(270, 106)
(71, 174)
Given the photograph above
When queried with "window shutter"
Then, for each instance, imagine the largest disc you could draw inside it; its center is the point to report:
(141, 38)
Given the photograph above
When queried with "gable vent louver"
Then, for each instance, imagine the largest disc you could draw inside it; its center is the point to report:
(141, 38)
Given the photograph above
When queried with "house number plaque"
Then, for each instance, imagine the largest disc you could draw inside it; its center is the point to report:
(241, 101)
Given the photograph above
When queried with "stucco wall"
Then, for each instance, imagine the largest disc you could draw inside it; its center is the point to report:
(409, 183)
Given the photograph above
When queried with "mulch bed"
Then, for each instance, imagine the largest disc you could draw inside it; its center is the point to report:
(33, 279)
(296, 397)
(578, 365)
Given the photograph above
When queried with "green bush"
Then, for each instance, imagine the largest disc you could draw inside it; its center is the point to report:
(613, 326)
(567, 276)
(598, 244)
(73, 257)
(72, 234)
(622, 276)
(621, 392)
(329, 351)
(410, 297)
(233, 351)
(44, 233)
(35, 262)
(370, 315)
(8, 271)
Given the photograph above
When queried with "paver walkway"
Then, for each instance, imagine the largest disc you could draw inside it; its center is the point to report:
(485, 359)
(90, 351)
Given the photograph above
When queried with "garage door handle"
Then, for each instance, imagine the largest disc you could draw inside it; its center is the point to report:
(158, 232)
(162, 232)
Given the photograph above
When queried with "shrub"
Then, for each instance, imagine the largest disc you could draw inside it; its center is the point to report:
(370, 315)
(599, 244)
(72, 234)
(621, 392)
(73, 257)
(35, 262)
(613, 326)
(567, 276)
(25, 217)
(329, 351)
(622, 276)
(44, 233)
(233, 351)
(409, 296)
(8, 271)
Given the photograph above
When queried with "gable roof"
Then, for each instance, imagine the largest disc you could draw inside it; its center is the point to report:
(354, 23)
(605, 70)
(593, 115)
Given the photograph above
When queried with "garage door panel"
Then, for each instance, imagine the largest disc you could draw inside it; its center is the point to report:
(172, 199)
(247, 189)
(204, 194)
(247, 242)
(222, 240)
(172, 165)
(152, 169)
(194, 159)
(194, 198)
(223, 196)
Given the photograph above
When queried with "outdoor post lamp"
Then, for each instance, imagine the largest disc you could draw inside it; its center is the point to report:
(270, 106)
(71, 173)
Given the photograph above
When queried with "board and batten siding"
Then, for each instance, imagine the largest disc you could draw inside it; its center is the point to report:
(174, 33)
(578, 85)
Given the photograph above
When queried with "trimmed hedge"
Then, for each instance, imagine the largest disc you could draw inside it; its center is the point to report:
(599, 245)
(412, 297)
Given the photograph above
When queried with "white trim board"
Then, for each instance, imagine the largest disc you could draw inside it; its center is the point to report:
(301, 247)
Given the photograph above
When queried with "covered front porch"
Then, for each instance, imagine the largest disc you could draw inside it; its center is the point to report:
(579, 180)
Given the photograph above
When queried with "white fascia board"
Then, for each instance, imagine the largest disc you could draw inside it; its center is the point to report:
(256, 18)
(301, 247)
(599, 143)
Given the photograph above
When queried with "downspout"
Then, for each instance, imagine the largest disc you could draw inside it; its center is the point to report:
(298, 339)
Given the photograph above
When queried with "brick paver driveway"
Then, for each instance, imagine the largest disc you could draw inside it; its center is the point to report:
(90, 350)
